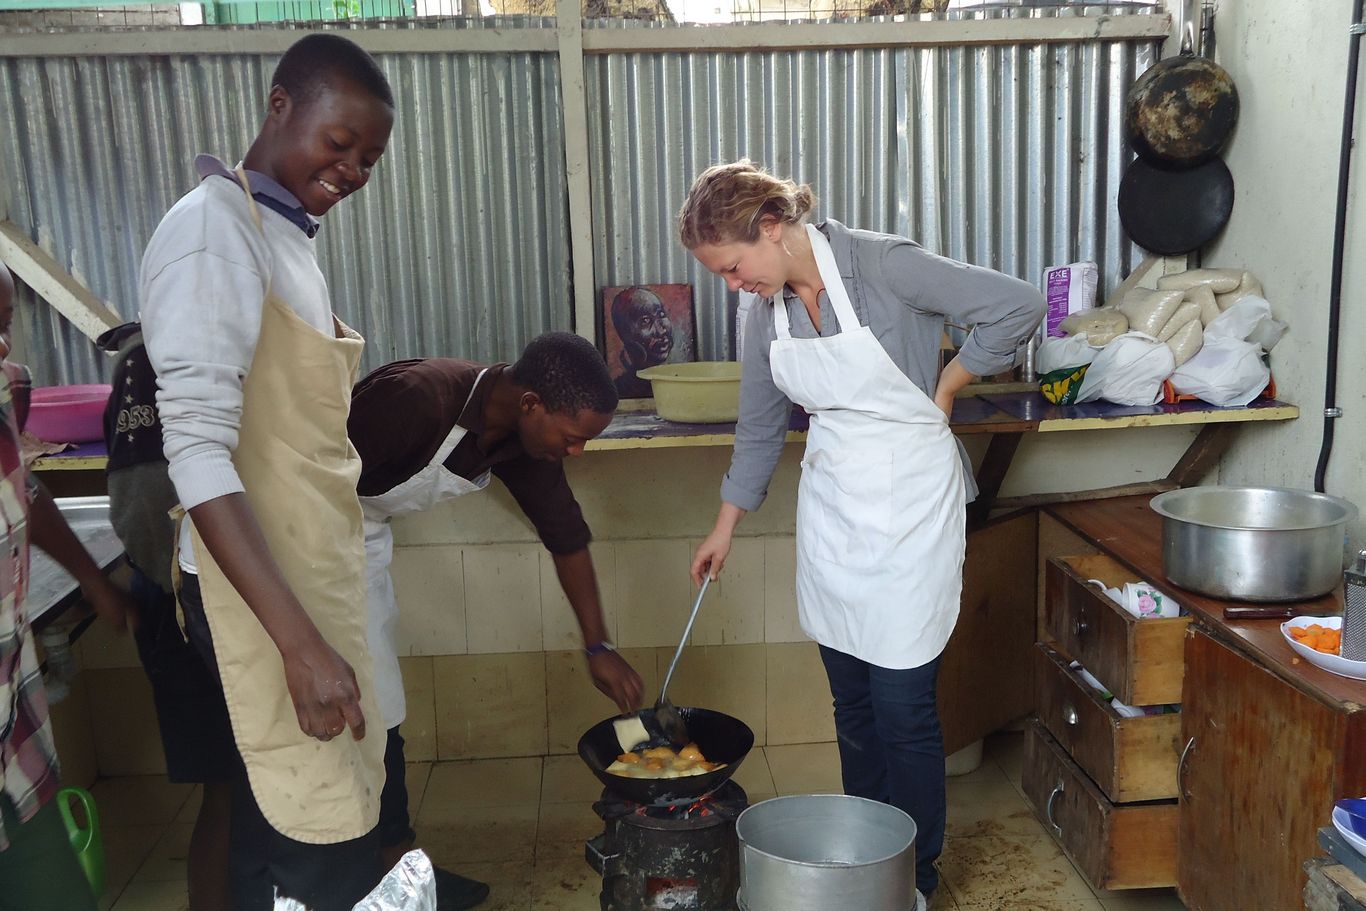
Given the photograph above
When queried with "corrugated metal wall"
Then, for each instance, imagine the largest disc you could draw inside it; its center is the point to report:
(459, 245)
(1006, 156)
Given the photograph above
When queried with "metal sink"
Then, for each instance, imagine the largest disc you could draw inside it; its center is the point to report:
(52, 589)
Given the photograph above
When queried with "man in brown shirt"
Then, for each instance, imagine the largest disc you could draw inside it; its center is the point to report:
(431, 429)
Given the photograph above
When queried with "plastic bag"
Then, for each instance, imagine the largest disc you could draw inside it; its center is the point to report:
(1189, 310)
(1128, 371)
(1247, 287)
(1243, 319)
(1186, 342)
(1101, 325)
(1204, 298)
(1220, 281)
(1148, 311)
(1072, 351)
(1062, 364)
(1225, 371)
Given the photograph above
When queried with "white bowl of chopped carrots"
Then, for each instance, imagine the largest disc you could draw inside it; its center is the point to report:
(1319, 641)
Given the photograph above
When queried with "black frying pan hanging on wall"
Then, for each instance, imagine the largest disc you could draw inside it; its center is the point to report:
(1171, 212)
(1180, 112)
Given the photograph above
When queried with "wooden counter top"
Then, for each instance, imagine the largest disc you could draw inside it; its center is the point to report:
(1012, 412)
(1131, 532)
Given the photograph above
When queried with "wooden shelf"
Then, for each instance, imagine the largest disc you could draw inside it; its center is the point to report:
(1014, 412)
(990, 413)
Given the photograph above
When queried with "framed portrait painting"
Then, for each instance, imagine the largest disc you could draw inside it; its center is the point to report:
(643, 326)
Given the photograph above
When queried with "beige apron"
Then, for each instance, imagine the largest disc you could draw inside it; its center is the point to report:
(300, 472)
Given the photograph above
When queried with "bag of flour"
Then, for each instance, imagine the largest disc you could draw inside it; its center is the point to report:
(1068, 289)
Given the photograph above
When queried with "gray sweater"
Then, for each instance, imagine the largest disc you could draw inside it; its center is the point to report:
(904, 294)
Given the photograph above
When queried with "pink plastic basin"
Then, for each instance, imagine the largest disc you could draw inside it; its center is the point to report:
(68, 414)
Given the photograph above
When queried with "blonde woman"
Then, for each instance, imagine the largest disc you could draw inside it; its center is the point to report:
(848, 326)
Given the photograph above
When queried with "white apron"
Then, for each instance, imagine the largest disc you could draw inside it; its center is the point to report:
(430, 486)
(881, 505)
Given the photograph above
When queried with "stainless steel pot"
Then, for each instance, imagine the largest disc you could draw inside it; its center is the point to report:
(1253, 543)
(815, 852)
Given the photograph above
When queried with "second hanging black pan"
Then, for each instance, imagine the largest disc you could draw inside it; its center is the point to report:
(721, 738)
(1173, 212)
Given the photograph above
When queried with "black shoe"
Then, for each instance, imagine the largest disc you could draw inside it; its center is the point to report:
(456, 893)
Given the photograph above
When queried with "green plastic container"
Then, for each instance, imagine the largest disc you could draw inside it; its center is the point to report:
(705, 392)
(86, 842)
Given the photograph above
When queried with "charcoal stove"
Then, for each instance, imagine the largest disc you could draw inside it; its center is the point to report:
(675, 856)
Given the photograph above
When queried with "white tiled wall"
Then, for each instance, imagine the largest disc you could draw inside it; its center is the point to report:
(490, 647)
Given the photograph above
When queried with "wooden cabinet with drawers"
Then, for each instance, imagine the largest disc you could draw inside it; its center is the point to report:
(1138, 660)
(1105, 784)
(1115, 846)
(1267, 741)
(1263, 764)
(1129, 759)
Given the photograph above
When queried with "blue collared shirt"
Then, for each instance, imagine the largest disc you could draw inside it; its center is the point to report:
(265, 190)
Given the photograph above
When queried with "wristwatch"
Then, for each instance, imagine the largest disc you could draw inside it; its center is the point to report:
(598, 648)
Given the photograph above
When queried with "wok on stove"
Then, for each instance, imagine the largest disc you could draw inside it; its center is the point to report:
(721, 738)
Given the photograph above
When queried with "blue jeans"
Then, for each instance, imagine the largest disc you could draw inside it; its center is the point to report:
(891, 746)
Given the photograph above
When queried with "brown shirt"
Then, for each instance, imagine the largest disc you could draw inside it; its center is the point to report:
(401, 413)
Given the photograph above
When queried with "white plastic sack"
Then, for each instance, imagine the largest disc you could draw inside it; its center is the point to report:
(1057, 353)
(1188, 311)
(1203, 297)
(1220, 281)
(1128, 371)
(1247, 287)
(1250, 320)
(1225, 371)
(1148, 311)
(1100, 325)
(1239, 320)
(1186, 342)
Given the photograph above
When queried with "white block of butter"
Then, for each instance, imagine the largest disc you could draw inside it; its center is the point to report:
(630, 733)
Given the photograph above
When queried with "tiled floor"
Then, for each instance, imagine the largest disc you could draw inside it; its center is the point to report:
(499, 819)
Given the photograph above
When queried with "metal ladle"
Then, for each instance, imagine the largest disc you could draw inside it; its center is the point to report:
(667, 721)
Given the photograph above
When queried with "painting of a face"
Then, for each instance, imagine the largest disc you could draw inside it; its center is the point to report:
(647, 335)
(643, 326)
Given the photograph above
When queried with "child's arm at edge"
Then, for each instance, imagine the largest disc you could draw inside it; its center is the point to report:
(51, 533)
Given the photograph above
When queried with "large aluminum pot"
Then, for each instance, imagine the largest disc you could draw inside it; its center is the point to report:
(1253, 543)
(815, 852)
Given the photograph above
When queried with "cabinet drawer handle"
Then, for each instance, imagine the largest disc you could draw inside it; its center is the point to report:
(1080, 627)
(1181, 769)
(1070, 716)
(1048, 808)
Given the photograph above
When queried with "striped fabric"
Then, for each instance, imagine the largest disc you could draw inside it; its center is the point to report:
(28, 756)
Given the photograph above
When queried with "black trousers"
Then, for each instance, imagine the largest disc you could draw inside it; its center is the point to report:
(261, 861)
(395, 828)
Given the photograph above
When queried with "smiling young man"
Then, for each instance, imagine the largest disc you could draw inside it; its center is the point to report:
(434, 429)
(254, 376)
